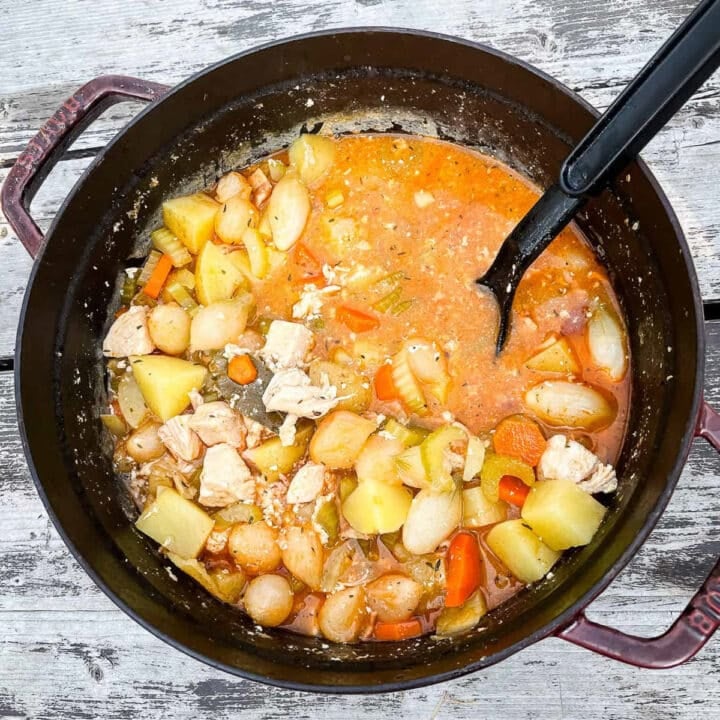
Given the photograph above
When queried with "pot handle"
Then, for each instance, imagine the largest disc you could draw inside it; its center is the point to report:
(46, 148)
(687, 635)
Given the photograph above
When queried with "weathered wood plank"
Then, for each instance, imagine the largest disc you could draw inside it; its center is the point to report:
(66, 651)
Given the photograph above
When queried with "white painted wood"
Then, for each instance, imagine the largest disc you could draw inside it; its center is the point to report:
(65, 650)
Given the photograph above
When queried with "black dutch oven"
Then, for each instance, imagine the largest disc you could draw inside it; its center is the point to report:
(356, 80)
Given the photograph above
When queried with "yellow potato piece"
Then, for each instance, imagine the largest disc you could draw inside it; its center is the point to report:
(179, 525)
(223, 584)
(562, 514)
(339, 439)
(376, 507)
(191, 218)
(272, 459)
(479, 511)
(166, 381)
(526, 556)
(217, 275)
(558, 357)
(311, 156)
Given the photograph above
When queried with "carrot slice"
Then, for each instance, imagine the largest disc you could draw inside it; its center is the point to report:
(357, 320)
(513, 490)
(309, 267)
(520, 437)
(398, 630)
(463, 569)
(242, 370)
(159, 276)
(384, 384)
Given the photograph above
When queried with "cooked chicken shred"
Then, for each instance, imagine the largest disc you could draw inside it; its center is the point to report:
(129, 335)
(216, 422)
(179, 438)
(225, 478)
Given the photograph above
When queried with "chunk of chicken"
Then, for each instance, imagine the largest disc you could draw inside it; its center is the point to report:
(287, 345)
(196, 399)
(256, 432)
(291, 391)
(225, 478)
(261, 187)
(217, 422)
(307, 483)
(566, 459)
(129, 335)
(179, 438)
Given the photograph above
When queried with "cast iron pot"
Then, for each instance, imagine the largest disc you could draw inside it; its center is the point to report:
(368, 79)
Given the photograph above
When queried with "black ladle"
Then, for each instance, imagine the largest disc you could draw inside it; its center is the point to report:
(661, 88)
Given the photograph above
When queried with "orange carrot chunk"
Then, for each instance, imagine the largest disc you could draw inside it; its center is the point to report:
(159, 275)
(309, 267)
(242, 370)
(463, 569)
(384, 384)
(513, 490)
(357, 320)
(398, 630)
(520, 437)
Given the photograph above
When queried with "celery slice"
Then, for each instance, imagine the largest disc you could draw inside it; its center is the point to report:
(149, 267)
(433, 454)
(407, 386)
(407, 435)
(182, 297)
(386, 302)
(164, 241)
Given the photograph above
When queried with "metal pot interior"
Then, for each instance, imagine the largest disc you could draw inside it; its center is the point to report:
(355, 82)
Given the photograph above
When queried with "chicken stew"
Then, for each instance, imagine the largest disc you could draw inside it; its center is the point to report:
(307, 407)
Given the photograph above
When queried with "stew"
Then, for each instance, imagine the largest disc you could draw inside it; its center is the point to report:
(307, 407)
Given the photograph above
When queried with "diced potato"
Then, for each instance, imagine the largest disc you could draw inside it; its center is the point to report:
(220, 323)
(131, 401)
(179, 525)
(557, 357)
(562, 514)
(495, 466)
(272, 459)
(478, 511)
(288, 211)
(217, 275)
(568, 404)
(191, 219)
(376, 507)
(166, 381)
(352, 387)
(257, 252)
(339, 439)
(377, 460)
(302, 555)
(432, 518)
(607, 342)
(457, 620)
(169, 328)
(234, 217)
(311, 156)
(223, 584)
(526, 556)
(369, 354)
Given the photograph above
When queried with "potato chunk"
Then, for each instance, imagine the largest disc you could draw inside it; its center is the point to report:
(558, 357)
(376, 507)
(353, 388)
(179, 525)
(339, 439)
(217, 275)
(526, 556)
(273, 459)
(311, 156)
(479, 511)
(191, 219)
(166, 381)
(562, 514)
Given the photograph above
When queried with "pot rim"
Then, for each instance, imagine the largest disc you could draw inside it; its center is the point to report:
(551, 628)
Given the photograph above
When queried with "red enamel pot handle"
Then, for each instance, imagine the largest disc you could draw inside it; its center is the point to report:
(46, 148)
(687, 635)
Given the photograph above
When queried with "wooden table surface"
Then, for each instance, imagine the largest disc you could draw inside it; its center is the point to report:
(65, 650)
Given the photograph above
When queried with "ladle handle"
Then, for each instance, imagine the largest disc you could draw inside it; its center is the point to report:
(662, 87)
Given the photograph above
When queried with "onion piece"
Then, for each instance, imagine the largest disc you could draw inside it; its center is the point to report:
(607, 341)
(568, 404)
(288, 211)
(131, 401)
